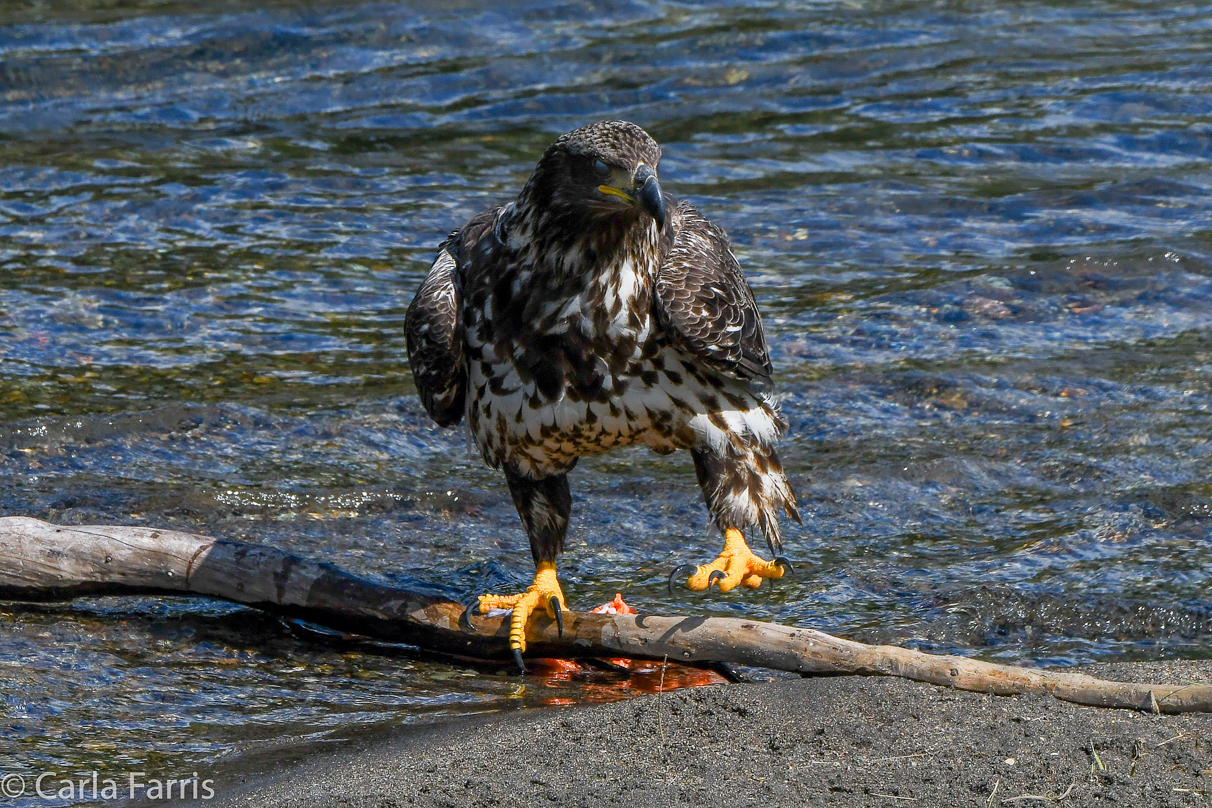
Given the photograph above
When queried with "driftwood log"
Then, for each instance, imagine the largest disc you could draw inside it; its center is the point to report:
(44, 562)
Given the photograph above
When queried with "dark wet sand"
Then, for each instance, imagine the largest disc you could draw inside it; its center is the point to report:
(826, 741)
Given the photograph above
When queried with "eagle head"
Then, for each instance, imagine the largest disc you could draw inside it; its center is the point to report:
(601, 177)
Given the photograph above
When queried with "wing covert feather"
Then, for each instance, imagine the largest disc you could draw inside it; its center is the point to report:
(433, 329)
(704, 303)
(433, 325)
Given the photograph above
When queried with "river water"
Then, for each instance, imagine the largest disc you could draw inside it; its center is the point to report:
(978, 232)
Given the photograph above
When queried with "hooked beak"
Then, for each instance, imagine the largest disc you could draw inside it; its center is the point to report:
(647, 192)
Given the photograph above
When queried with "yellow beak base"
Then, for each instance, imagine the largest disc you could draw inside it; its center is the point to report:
(612, 191)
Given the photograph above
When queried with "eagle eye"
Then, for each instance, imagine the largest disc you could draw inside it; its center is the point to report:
(601, 169)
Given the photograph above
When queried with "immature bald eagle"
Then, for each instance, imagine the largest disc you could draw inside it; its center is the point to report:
(595, 312)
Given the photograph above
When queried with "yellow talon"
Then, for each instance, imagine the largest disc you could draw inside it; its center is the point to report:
(542, 592)
(735, 566)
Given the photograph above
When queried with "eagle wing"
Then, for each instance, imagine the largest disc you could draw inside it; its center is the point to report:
(433, 326)
(433, 329)
(703, 302)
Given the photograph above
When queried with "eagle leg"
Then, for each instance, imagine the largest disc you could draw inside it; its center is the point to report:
(544, 505)
(736, 566)
(545, 592)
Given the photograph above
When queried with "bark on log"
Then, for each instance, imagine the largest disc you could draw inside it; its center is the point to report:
(44, 562)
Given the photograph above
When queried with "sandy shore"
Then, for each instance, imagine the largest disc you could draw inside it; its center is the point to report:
(846, 741)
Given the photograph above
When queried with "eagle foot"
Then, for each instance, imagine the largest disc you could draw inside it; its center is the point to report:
(735, 566)
(544, 592)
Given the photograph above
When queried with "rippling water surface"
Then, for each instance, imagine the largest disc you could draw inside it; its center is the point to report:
(979, 234)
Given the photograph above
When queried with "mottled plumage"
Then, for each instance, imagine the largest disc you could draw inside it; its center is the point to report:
(595, 312)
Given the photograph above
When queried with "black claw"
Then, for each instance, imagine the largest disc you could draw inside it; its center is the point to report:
(473, 607)
(716, 575)
(681, 569)
(559, 614)
(517, 658)
(784, 563)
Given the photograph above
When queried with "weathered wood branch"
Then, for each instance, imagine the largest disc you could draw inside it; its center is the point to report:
(44, 562)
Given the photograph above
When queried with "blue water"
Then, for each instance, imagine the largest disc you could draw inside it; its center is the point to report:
(978, 234)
